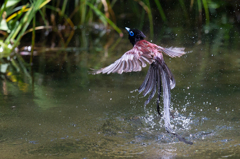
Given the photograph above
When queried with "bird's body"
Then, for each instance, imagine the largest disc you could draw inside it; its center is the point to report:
(143, 53)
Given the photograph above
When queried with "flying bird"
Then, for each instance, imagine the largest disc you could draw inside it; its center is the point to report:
(158, 75)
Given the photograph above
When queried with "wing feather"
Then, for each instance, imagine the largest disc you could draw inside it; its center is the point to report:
(148, 56)
(117, 67)
(145, 59)
(130, 65)
(139, 64)
(112, 68)
(127, 66)
(120, 71)
(124, 65)
(143, 62)
(134, 65)
(133, 60)
(173, 51)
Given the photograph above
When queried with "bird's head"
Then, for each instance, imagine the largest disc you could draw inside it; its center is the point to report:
(134, 35)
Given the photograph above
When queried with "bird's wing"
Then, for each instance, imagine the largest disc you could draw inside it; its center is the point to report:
(132, 61)
(173, 51)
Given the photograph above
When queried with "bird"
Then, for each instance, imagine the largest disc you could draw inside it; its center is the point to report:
(158, 76)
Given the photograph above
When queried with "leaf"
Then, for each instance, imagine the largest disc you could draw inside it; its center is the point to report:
(3, 26)
(5, 50)
(11, 3)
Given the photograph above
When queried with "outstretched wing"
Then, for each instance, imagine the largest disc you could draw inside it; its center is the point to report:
(173, 51)
(131, 61)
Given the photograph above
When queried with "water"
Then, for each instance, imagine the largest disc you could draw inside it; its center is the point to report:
(73, 114)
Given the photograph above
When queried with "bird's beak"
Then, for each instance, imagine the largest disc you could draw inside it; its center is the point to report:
(128, 29)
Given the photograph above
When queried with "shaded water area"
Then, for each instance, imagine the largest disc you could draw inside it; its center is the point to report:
(68, 113)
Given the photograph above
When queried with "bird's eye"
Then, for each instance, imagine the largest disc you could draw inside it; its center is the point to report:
(131, 33)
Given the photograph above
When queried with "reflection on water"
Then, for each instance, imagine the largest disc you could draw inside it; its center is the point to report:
(72, 114)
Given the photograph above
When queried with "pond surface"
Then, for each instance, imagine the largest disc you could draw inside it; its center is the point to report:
(68, 113)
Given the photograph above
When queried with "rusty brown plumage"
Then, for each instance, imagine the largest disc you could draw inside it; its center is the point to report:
(142, 53)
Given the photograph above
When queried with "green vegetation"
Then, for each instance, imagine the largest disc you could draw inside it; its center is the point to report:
(17, 23)
(17, 16)
(21, 22)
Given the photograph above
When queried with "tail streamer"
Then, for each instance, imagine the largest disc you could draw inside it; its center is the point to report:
(159, 75)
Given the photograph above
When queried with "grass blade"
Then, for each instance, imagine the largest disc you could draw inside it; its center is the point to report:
(205, 5)
(33, 39)
(184, 9)
(160, 9)
(150, 18)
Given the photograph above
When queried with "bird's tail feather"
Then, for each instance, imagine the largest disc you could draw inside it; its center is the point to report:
(143, 86)
(152, 80)
(159, 75)
(170, 76)
(166, 97)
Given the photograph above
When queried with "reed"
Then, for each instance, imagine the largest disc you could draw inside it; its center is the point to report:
(160, 9)
(17, 18)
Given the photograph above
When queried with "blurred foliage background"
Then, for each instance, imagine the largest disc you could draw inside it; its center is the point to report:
(53, 28)
(205, 16)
